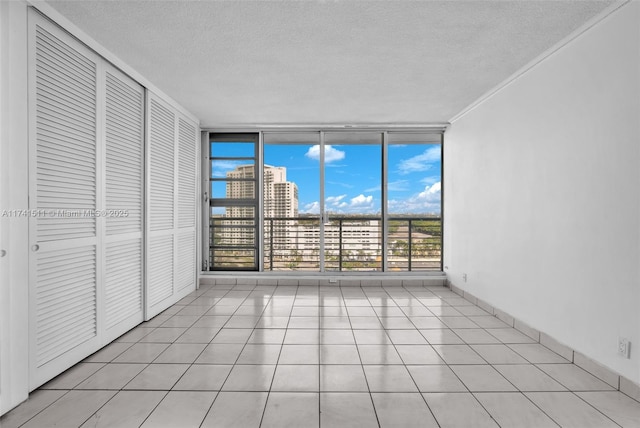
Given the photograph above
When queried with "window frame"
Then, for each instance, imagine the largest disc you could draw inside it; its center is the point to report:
(389, 137)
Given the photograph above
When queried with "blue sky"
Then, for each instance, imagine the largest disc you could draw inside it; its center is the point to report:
(353, 176)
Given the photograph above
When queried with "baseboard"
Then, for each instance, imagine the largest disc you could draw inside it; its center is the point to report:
(325, 280)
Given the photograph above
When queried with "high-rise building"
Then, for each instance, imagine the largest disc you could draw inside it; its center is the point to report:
(280, 199)
(280, 196)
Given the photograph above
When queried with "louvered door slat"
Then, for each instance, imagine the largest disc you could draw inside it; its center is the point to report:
(160, 269)
(123, 280)
(58, 316)
(77, 168)
(161, 166)
(77, 99)
(124, 192)
(66, 110)
(186, 268)
(48, 97)
(61, 128)
(49, 43)
(186, 174)
(124, 155)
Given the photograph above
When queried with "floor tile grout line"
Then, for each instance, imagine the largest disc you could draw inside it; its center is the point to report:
(198, 356)
(463, 383)
(594, 407)
(154, 408)
(411, 376)
(194, 361)
(537, 365)
(229, 374)
(43, 409)
(517, 389)
(189, 365)
(510, 346)
(266, 401)
(364, 373)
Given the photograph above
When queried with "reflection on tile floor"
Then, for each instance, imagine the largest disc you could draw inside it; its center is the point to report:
(286, 356)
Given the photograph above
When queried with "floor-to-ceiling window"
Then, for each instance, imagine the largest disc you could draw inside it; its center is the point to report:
(353, 239)
(325, 201)
(414, 201)
(291, 195)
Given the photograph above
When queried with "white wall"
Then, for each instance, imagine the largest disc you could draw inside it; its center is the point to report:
(14, 230)
(542, 196)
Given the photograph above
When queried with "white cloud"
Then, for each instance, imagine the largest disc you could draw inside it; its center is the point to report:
(425, 202)
(421, 162)
(330, 154)
(335, 200)
(219, 168)
(361, 201)
(361, 204)
(431, 192)
(312, 208)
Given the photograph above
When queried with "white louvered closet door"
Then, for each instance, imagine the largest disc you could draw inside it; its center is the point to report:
(64, 184)
(86, 193)
(161, 172)
(123, 201)
(187, 245)
(172, 211)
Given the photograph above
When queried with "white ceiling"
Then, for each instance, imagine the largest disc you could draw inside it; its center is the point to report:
(327, 62)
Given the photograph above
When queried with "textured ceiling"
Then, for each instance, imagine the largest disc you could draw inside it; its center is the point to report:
(329, 62)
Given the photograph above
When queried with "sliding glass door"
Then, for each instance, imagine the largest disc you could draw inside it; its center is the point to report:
(292, 202)
(414, 225)
(322, 201)
(353, 201)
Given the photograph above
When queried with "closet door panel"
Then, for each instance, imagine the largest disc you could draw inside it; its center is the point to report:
(124, 155)
(64, 196)
(65, 86)
(162, 131)
(187, 174)
(123, 285)
(172, 179)
(186, 267)
(66, 301)
(187, 203)
(160, 283)
(123, 202)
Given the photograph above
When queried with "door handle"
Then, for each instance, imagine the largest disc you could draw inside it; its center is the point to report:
(35, 247)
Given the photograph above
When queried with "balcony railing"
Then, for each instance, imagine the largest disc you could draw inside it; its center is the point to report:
(414, 243)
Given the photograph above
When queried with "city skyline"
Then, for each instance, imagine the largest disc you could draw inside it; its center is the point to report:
(353, 177)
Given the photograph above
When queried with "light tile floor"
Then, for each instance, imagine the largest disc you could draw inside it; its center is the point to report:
(286, 356)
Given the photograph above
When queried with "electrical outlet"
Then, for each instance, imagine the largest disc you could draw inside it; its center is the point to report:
(624, 347)
(464, 277)
(333, 281)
